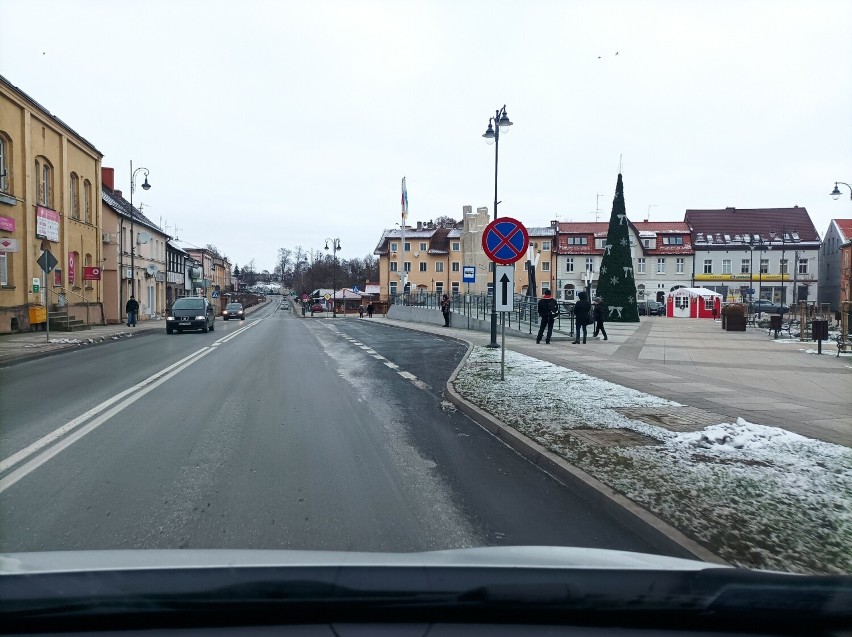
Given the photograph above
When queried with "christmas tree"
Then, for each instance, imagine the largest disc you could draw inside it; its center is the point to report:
(616, 283)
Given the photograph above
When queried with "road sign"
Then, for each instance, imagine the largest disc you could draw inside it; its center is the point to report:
(215, 294)
(469, 274)
(47, 261)
(36, 286)
(505, 240)
(327, 296)
(505, 288)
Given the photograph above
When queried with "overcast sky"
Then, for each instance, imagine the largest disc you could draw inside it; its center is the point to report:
(269, 124)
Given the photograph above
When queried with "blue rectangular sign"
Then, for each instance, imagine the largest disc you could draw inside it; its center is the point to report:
(469, 274)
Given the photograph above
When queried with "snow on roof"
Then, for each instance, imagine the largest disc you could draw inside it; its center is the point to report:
(697, 292)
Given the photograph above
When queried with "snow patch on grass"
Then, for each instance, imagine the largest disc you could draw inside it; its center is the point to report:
(760, 497)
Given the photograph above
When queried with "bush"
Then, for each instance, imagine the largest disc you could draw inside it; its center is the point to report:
(735, 309)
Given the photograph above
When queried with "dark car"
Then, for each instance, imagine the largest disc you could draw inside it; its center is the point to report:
(651, 308)
(762, 306)
(191, 313)
(234, 311)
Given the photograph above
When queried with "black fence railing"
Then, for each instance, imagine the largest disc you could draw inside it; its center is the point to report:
(523, 317)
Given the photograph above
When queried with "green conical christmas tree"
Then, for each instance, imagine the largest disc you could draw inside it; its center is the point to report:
(616, 283)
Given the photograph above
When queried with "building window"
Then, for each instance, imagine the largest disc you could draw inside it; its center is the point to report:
(423, 266)
(803, 266)
(640, 291)
(647, 243)
(456, 266)
(455, 287)
(406, 246)
(673, 241)
(568, 292)
(394, 266)
(87, 200)
(578, 241)
(393, 288)
(661, 265)
(745, 266)
(439, 266)
(439, 287)
(456, 246)
(5, 152)
(708, 266)
(590, 264)
(640, 265)
(784, 266)
(545, 246)
(545, 266)
(4, 269)
(600, 244)
(490, 288)
(406, 266)
(764, 266)
(569, 264)
(394, 246)
(422, 246)
(74, 189)
(708, 303)
(726, 266)
(43, 182)
(491, 266)
(680, 263)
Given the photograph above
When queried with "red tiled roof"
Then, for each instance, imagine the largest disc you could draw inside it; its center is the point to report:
(753, 221)
(845, 227)
(579, 227)
(662, 226)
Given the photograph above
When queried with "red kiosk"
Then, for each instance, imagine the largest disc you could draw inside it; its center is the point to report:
(694, 303)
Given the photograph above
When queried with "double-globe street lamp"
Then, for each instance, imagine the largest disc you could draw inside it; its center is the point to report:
(335, 246)
(498, 124)
(835, 194)
(145, 186)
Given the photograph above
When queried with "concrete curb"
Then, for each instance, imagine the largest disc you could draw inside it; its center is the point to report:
(644, 523)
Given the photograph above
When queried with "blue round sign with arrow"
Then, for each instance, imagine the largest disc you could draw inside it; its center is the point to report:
(505, 240)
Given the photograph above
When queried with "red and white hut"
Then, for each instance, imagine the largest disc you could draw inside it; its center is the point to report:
(694, 303)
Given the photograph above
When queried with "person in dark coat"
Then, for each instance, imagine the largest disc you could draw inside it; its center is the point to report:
(547, 310)
(132, 309)
(446, 305)
(599, 313)
(582, 311)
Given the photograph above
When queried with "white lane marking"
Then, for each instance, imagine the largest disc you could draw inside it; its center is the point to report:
(40, 459)
(378, 356)
(235, 333)
(392, 365)
(419, 383)
(407, 375)
(15, 458)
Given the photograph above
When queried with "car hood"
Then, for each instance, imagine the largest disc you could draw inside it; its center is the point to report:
(507, 557)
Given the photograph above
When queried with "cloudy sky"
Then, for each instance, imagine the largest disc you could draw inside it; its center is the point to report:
(269, 124)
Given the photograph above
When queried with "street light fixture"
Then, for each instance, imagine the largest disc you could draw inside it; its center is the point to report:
(500, 123)
(835, 194)
(335, 247)
(145, 186)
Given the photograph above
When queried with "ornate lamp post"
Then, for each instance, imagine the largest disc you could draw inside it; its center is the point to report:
(498, 124)
(335, 247)
(145, 186)
(835, 194)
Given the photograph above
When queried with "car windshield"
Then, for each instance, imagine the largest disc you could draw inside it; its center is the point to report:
(401, 277)
(188, 304)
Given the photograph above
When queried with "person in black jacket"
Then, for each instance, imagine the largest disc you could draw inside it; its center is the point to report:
(599, 313)
(582, 309)
(547, 310)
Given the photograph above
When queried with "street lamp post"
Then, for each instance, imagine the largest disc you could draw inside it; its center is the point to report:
(835, 194)
(335, 246)
(498, 124)
(145, 186)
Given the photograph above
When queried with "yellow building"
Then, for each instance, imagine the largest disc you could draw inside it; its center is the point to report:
(50, 182)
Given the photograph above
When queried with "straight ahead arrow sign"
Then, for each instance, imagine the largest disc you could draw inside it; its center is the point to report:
(506, 294)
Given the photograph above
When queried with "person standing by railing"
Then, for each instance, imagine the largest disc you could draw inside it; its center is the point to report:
(581, 316)
(547, 311)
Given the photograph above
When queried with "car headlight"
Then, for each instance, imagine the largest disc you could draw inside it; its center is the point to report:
(200, 318)
(170, 318)
(240, 312)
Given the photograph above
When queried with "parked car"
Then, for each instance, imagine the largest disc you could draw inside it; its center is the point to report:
(762, 306)
(235, 311)
(317, 307)
(191, 313)
(651, 308)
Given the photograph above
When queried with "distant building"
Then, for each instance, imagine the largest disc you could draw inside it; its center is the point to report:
(834, 263)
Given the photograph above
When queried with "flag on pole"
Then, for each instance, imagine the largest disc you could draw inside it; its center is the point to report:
(404, 202)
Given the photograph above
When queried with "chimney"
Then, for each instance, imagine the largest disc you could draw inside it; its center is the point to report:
(420, 225)
(108, 177)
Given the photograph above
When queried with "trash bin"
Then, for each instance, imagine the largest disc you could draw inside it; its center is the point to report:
(38, 314)
(819, 330)
(775, 323)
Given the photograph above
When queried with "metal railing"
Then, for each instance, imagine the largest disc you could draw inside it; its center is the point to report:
(523, 317)
(64, 292)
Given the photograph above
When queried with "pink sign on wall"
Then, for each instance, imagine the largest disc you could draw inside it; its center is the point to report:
(7, 223)
(71, 268)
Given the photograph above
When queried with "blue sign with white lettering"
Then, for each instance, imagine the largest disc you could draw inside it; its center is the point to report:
(469, 274)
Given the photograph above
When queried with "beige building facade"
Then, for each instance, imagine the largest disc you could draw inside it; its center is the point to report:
(49, 200)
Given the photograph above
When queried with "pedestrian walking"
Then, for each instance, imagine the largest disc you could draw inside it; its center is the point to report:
(582, 310)
(361, 311)
(370, 309)
(132, 309)
(548, 310)
(599, 313)
(446, 306)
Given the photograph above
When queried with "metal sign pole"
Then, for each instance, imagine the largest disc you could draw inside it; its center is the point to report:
(46, 300)
(503, 347)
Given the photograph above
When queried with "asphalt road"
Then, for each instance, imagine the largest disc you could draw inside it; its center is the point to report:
(273, 432)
